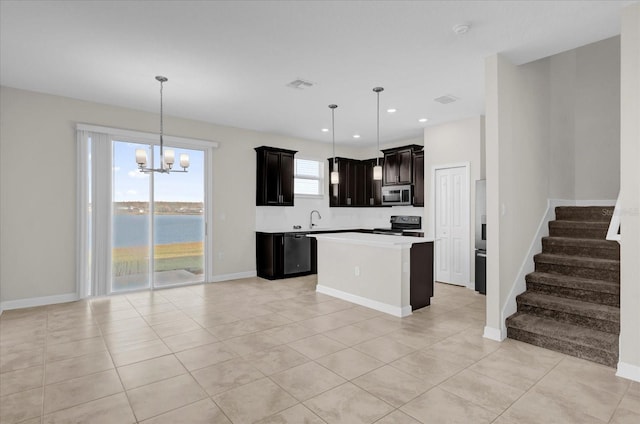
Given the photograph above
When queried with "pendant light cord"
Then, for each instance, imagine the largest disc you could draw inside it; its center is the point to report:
(333, 132)
(333, 135)
(378, 130)
(161, 122)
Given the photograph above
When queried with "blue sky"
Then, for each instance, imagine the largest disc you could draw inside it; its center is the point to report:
(131, 185)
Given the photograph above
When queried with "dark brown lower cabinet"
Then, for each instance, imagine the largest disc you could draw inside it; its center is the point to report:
(269, 255)
(421, 275)
(283, 255)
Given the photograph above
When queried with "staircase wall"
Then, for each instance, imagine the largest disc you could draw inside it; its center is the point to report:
(629, 365)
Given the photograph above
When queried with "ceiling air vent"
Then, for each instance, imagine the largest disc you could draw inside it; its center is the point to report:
(447, 98)
(301, 84)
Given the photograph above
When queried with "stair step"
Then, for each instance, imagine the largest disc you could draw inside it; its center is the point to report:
(600, 317)
(584, 213)
(585, 289)
(574, 340)
(593, 248)
(594, 268)
(579, 229)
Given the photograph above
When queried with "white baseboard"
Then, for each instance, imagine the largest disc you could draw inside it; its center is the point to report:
(628, 371)
(494, 334)
(604, 202)
(363, 301)
(233, 276)
(38, 301)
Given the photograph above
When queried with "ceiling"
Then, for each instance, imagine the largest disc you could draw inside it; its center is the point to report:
(229, 63)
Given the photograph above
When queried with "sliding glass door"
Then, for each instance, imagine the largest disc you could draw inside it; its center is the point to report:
(179, 224)
(158, 221)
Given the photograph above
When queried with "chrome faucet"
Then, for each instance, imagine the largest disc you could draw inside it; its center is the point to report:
(311, 224)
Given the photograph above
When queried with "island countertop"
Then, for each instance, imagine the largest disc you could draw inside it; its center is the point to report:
(381, 240)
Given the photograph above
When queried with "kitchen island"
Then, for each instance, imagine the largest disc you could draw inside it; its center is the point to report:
(392, 274)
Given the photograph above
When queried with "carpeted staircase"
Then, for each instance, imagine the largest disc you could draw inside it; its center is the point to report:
(572, 301)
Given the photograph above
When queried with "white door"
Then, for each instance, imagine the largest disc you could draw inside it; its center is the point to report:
(452, 225)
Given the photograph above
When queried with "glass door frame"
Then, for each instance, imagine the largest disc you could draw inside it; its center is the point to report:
(173, 142)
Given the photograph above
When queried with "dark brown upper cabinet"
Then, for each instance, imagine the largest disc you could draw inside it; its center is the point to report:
(398, 165)
(418, 178)
(274, 176)
(356, 186)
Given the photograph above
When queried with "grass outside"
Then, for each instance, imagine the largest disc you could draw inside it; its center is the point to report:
(135, 260)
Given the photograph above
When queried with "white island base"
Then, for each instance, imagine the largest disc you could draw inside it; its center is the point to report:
(371, 270)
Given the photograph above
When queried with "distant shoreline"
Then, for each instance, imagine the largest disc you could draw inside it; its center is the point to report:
(161, 208)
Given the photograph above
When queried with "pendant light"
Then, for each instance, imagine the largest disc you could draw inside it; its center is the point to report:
(167, 157)
(377, 170)
(335, 176)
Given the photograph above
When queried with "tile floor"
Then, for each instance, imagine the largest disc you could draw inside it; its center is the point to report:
(276, 352)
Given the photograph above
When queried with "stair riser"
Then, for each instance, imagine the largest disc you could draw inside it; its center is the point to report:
(585, 252)
(574, 293)
(584, 233)
(593, 323)
(608, 357)
(591, 215)
(593, 273)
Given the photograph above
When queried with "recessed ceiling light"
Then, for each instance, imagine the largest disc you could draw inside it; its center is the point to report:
(392, 110)
(422, 120)
(461, 29)
(356, 136)
(325, 130)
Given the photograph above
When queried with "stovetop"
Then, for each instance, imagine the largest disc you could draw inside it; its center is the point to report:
(399, 223)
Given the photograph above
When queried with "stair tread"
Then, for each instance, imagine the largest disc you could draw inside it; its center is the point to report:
(574, 282)
(575, 241)
(563, 331)
(581, 261)
(572, 306)
(598, 213)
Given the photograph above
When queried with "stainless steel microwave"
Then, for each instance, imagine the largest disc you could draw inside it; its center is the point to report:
(396, 195)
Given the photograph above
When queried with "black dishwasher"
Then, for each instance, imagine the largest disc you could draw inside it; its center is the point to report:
(297, 253)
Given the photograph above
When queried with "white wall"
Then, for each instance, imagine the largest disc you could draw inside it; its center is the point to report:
(517, 143)
(455, 143)
(629, 365)
(584, 111)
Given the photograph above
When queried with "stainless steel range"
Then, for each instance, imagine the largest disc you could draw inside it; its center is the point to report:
(402, 225)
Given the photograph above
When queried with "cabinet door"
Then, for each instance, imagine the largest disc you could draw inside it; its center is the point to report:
(286, 179)
(271, 178)
(418, 179)
(333, 188)
(269, 259)
(390, 169)
(355, 183)
(405, 167)
(343, 186)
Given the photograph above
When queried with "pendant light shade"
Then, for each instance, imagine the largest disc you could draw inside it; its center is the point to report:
(377, 170)
(335, 176)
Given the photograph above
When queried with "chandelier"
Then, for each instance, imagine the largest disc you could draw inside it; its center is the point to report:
(167, 157)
